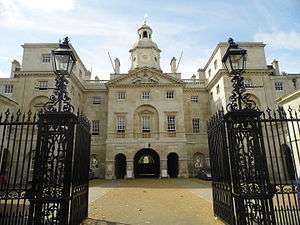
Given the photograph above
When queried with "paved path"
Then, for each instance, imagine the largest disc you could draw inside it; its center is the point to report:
(151, 201)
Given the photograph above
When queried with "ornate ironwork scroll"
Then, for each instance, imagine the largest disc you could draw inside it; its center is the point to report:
(59, 100)
(239, 100)
(263, 152)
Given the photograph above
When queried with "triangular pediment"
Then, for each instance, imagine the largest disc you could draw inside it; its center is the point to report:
(144, 76)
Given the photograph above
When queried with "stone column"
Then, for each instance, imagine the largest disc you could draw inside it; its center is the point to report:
(163, 168)
(110, 170)
(183, 168)
(129, 169)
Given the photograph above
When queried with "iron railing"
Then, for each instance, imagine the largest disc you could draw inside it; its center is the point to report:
(18, 135)
(44, 168)
(255, 160)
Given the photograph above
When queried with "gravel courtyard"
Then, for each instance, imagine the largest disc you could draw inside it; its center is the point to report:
(151, 201)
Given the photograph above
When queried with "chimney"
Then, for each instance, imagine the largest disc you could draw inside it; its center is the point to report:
(15, 66)
(275, 65)
(173, 65)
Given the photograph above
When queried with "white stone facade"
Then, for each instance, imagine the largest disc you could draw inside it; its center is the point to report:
(146, 108)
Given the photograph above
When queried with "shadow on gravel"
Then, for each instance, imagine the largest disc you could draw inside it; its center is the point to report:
(101, 222)
(165, 183)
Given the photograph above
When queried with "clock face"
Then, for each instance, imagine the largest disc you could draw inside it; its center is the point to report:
(144, 58)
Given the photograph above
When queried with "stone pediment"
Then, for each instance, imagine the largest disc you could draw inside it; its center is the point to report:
(145, 79)
(144, 76)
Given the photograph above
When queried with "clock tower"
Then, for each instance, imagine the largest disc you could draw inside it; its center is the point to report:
(145, 52)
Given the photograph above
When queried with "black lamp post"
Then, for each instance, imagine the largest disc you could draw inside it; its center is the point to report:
(63, 61)
(234, 61)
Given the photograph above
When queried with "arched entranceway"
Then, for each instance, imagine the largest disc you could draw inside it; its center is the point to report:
(146, 164)
(120, 166)
(173, 165)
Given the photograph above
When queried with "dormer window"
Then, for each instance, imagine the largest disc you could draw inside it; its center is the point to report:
(145, 34)
(46, 58)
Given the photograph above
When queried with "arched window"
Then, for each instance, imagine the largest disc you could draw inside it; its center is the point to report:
(145, 34)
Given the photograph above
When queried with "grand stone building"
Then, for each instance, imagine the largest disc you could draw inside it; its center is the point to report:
(146, 122)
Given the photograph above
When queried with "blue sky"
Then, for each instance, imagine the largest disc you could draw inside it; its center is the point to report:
(194, 26)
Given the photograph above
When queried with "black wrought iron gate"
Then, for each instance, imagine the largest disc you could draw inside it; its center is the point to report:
(255, 159)
(44, 167)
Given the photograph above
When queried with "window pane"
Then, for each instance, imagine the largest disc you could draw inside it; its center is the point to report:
(122, 95)
(278, 86)
(97, 100)
(170, 94)
(146, 95)
(8, 88)
(171, 123)
(46, 58)
(146, 124)
(43, 85)
(120, 124)
(194, 98)
(95, 127)
(196, 125)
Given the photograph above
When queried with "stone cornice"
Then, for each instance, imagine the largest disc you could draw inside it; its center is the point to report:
(137, 71)
(194, 89)
(144, 85)
(223, 72)
(288, 97)
(33, 73)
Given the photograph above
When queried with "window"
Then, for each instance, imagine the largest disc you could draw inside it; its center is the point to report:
(278, 86)
(145, 34)
(196, 125)
(43, 85)
(170, 94)
(8, 88)
(46, 58)
(95, 127)
(146, 95)
(215, 64)
(218, 89)
(122, 95)
(209, 72)
(120, 124)
(145, 123)
(80, 73)
(194, 99)
(171, 123)
(97, 100)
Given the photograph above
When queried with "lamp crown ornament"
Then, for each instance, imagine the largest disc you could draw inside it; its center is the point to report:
(234, 60)
(63, 61)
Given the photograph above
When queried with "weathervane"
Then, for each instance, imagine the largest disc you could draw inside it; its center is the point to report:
(145, 18)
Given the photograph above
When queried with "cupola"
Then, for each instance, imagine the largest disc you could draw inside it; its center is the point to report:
(144, 52)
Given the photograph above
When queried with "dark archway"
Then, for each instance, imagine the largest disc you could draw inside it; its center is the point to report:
(146, 164)
(120, 166)
(173, 168)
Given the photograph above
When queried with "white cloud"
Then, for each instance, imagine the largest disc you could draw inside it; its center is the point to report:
(280, 40)
(4, 74)
(43, 5)
(116, 33)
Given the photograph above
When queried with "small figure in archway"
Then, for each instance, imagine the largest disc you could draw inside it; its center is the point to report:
(120, 166)
(172, 162)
